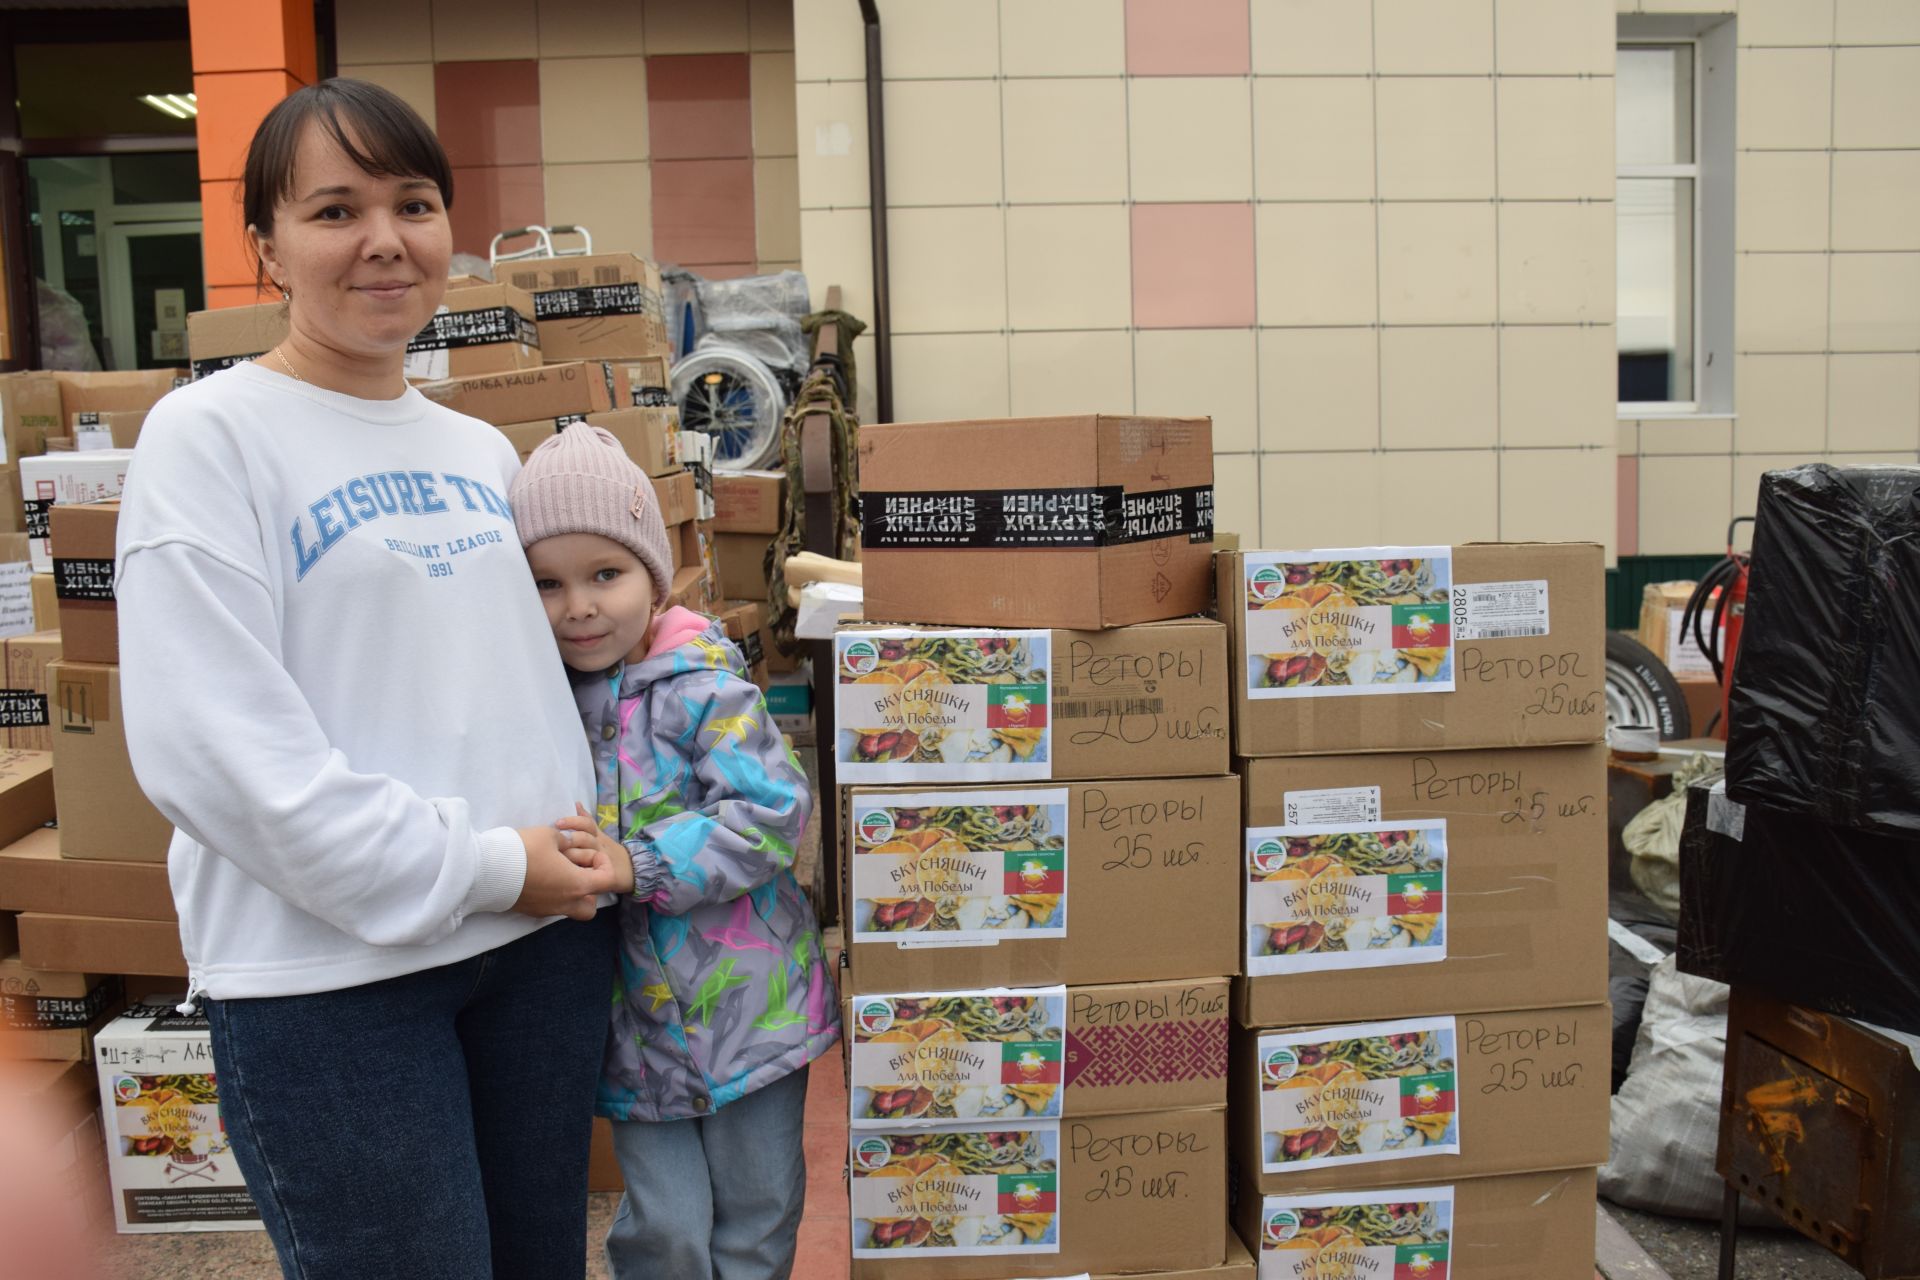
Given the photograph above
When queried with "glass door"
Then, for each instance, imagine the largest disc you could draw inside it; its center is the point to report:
(153, 280)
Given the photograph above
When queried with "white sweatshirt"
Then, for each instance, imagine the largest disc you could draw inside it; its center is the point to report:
(339, 682)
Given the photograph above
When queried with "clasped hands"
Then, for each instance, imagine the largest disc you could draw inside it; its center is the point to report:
(569, 865)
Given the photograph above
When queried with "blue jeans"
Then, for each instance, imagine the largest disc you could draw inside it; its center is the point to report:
(433, 1125)
(720, 1196)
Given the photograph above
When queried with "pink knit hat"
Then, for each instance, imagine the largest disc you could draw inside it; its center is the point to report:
(582, 481)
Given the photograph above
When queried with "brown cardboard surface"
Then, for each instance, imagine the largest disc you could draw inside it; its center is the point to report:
(103, 812)
(26, 792)
(229, 335)
(1539, 691)
(746, 624)
(113, 392)
(100, 944)
(690, 589)
(651, 376)
(679, 498)
(629, 336)
(1238, 1266)
(60, 1044)
(1525, 883)
(492, 357)
(29, 689)
(1527, 1226)
(46, 603)
(123, 427)
(20, 979)
(683, 540)
(1079, 587)
(31, 405)
(1140, 1192)
(749, 501)
(83, 559)
(1152, 892)
(13, 508)
(647, 434)
(742, 558)
(1533, 1094)
(1661, 605)
(34, 877)
(552, 391)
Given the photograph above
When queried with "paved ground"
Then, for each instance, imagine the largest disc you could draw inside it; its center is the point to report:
(1690, 1250)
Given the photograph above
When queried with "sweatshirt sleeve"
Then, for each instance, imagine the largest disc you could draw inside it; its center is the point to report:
(757, 804)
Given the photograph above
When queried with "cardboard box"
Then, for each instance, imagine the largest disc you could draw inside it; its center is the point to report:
(113, 392)
(119, 430)
(27, 697)
(1482, 1094)
(1083, 522)
(103, 812)
(690, 589)
(531, 395)
(746, 624)
(606, 306)
(1145, 888)
(742, 559)
(55, 478)
(1142, 701)
(26, 792)
(102, 944)
(46, 601)
(230, 335)
(1527, 1226)
(1238, 1266)
(168, 1155)
(650, 436)
(82, 544)
(1517, 658)
(749, 501)
(684, 541)
(30, 403)
(487, 328)
(16, 583)
(1139, 1192)
(652, 379)
(34, 877)
(1015, 1054)
(13, 511)
(53, 1015)
(679, 499)
(1480, 877)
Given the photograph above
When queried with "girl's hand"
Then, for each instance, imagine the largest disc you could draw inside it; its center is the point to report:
(555, 884)
(582, 840)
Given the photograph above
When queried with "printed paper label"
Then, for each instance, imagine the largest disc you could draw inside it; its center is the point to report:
(429, 365)
(1357, 1094)
(86, 439)
(16, 599)
(1358, 1235)
(967, 1055)
(1323, 624)
(943, 706)
(1499, 610)
(979, 1191)
(1355, 896)
(1684, 657)
(962, 868)
(1332, 806)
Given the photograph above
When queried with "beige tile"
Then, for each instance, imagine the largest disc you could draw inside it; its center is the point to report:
(593, 109)
(1437, 264)
(775, 132)
(952, 38)
(1685, 504)
(1064, 38)
(1069, 267)
(1435, 138)
(836, 247)
(711, 26)
(770, 26)
(1876, 200)
(1627, 439)
(1066, 140)
(1875, 402)
(483, 30)
(776, 207)
(1312, 37)
(829, 41)
(614, 201)
(1777, 22)
(1785, 98)
(1319, 388)
(1439, 497)
(1876, 97)
(1557, 385)
(370, 31)
(947, 376)
(1559, 495)
(1747, 470)
(1782, 400)
(1556, 138)
(1433, 37)
(766, 268)
(1191, 138)
(1556, 263)
(1190, 373)
(832, 128)
(1315, 263)
(1319, 499)
(589, 28)
(412, 81)
(1781, 302)
(1877, 22)
(1313, 138)
(1554, 37)
(1783, 200)
(1071, 372)
(948, 270)
(1236, 497)
(943, 142)
(1686, 436)
(1689, 6)
(1876, 302)
(1439, 388)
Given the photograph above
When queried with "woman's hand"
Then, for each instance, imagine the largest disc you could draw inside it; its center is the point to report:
(582, 840)
(558, 886)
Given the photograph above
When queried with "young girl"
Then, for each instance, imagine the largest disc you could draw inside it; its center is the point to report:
(723, 995)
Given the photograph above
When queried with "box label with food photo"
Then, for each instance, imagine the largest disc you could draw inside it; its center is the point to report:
(1353, 896)
(1320, 624)
(960, 868)
(956, 1193)
(1392, 1235)
(966, 1055)
(1358, 1094)
(946, 706)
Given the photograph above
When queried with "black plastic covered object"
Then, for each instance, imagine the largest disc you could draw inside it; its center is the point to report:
(1825, 713)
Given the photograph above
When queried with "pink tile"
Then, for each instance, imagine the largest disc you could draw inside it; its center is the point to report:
(488, 112)
(1192, 266)
(827, 1091)
(1627, 534)
(1187, 38)
(703, 211)
(723, 270)
(825, 1249)
(700, 106)
(487, 201)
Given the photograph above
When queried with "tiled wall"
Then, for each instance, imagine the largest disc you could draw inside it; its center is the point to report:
(664, 126)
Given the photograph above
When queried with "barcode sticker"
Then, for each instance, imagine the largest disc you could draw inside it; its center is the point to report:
(1088, 708)
(1499, 610)
(1334, 806)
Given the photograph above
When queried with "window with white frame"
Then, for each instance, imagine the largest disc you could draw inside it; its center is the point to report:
(1657, 218)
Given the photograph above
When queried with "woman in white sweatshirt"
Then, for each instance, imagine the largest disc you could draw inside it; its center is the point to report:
(341, 688)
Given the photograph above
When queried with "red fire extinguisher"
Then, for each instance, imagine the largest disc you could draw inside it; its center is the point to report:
(1715, 614)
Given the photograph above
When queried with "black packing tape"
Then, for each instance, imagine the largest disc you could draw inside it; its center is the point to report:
(23, 709)
(214, 364)
(653, 397)
(752, 650)
(483, 326)
(622, 298)
(1107, 516)
(82, 579)
(57, 1013)
(39, 517)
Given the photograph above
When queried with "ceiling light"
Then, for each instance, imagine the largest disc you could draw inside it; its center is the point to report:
(181, 106)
